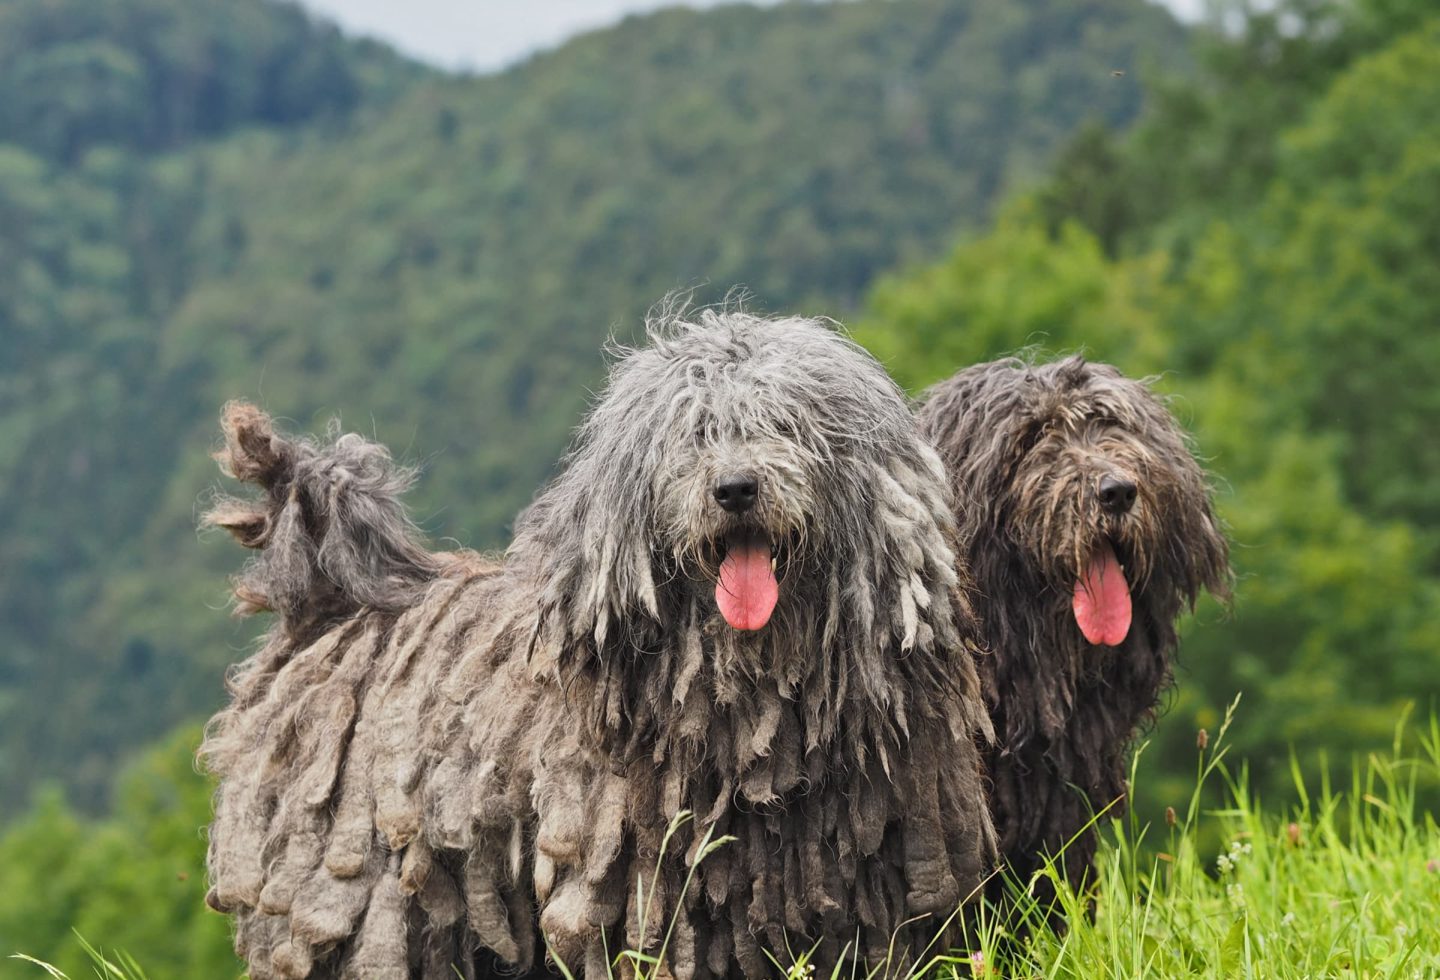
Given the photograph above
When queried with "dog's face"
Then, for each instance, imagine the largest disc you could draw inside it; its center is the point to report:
(750, 468)
(735, 499)
(1090, 477)
(765, 435)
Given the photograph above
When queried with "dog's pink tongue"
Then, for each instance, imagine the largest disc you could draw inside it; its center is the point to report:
(747, 590)
(1102, 600)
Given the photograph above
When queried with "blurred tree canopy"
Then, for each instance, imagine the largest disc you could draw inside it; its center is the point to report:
(205, 201)
(155, 74)
(1291, 304)
(134, 880)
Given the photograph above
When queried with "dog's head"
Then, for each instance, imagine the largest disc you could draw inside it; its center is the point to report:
(1087, 475)
(756, 475)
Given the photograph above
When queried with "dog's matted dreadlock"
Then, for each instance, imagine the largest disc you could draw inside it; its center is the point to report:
(738, 598)
(1087, 525)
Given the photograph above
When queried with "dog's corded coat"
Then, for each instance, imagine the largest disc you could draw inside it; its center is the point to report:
(1029, 449)
(429, 749)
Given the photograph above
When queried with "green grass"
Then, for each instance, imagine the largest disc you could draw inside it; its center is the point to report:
(117, 965)
(1344, 884)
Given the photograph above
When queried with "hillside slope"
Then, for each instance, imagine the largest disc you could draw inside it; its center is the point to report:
(96, 225)
(443, 269)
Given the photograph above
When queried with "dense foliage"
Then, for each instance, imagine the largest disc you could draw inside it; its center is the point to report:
(138, 876)
(440, 260)
(96, 251)
(1293, 310)
(150, 74)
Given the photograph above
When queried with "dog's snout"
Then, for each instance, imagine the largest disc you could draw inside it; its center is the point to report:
(1117, 495)
(736, 492)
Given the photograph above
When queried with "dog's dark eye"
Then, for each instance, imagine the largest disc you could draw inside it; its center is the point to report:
(1031, 435)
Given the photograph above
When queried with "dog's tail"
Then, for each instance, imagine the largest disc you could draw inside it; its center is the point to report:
(332, 534)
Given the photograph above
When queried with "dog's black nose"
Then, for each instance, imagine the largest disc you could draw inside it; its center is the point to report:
(736, 492)
(1116, 495)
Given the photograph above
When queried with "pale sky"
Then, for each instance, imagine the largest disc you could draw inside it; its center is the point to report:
(482, 35)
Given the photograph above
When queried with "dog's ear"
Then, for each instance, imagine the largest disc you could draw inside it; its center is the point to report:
(589, 543)
(912, 591)
(1073, 372)
(911, 541)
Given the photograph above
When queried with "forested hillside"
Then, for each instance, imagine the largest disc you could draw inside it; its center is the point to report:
(206, 201)
(1266, 242)
(146, 75)
(97, 222)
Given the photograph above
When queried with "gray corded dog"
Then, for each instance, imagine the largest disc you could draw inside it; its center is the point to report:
(1087, 525)
(738, 598)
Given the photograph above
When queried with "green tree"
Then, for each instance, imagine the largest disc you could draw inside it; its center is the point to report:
(151, 74)
(134, 880)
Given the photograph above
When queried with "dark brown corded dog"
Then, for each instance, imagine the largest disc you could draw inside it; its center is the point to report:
(1087, 524)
